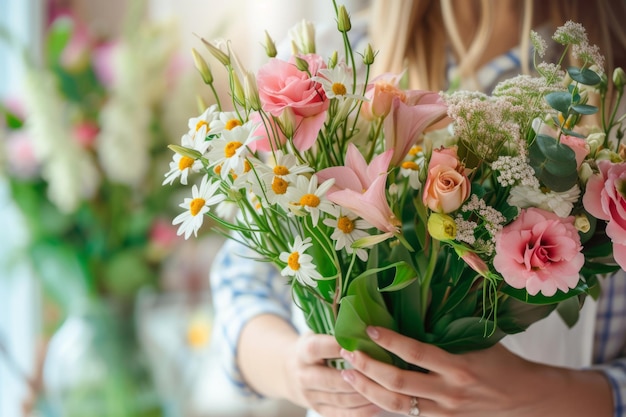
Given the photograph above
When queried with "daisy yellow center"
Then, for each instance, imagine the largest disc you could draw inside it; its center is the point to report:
(415, 150)
(310, 200)
(218, 169)
(410, 165)
(231, 148)
(246, 166)
(339, 89)
(345, 224)
(198, 334)
(196, 205)
(293, 261)
(279, 185)
(232, 123)
(200, 124)
(281, 170)
(184, 163)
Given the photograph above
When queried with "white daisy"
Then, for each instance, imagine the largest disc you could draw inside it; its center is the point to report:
(224, 121)
(181, 165)
(337, 82)
(348, 228)
(285, 166)
(411, 166)
(229, 151)
(299, 264)
(308, 197)
(201, 125)
(195, 207)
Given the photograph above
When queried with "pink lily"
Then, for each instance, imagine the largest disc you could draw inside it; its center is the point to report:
(361, 188)
(406, 121)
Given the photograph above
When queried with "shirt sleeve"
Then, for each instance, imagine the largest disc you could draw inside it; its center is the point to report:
(243, 288)
(615, 371)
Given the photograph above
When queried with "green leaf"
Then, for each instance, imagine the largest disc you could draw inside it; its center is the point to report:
(515, 316)
(522, 294)
(560, 101)
(585, 76)
(362, 307)
(554, 163)
(585, 109)
(403, 277)
(569, 310)
(467, 334)
(57, 39)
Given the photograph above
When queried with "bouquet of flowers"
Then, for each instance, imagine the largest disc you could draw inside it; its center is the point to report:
(82, 158)
(452, 217)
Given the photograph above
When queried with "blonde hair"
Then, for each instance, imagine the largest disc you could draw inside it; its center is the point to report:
(416, 35)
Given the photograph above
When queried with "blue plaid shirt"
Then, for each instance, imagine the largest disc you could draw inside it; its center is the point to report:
(243, 289)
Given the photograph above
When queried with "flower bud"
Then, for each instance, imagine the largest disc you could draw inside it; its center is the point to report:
(237, 88)
(216, 52)
(368, 55)
(287, 122)
(585, 172)
(270, 46)
(441, 226)
(343, 20)
(202, 67)
(302, 64)
(188, 152)
(619, 79)
(332, 61)
(251, 91)
(581, 223)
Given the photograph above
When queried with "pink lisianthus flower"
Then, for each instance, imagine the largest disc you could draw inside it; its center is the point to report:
(447, 185)
(605, 198)
(282, 85)
(406, 122)
(361, 188)
(578, 145)
(539, 251)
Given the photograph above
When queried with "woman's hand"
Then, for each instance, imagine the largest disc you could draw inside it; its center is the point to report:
(490, 382)
(313, 384)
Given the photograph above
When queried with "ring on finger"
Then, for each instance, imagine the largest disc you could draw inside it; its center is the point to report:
(413, 409)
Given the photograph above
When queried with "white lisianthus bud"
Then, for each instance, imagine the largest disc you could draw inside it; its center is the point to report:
(303, 37)
(584, 172)
(251, 91)
(581, 223)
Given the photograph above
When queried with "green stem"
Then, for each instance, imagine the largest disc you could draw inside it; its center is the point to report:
(425, 284)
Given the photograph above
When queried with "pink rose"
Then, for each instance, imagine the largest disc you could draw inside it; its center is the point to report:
(539, 251)
(604, 199)
(578, 145)
(447, 186)
(282, 85)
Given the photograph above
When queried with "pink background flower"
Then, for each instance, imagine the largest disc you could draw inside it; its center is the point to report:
(578, 145)
(539, 251)
(604, 199)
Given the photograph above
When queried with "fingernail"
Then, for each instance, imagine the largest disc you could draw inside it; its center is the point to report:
(347, 376)
(346, 354)
(372, 332)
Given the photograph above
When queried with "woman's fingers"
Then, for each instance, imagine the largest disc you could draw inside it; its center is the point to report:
(414, 352)
(388, 399)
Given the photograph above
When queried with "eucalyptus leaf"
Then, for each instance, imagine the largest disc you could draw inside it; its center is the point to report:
(584, 76)
(560, 101)
(585, 109)
(554, 163)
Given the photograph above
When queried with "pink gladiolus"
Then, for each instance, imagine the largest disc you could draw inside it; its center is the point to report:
(361, 188)
(604, 198)
(539, 251)
(405, 123)
(282, 85)
(447, 185)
